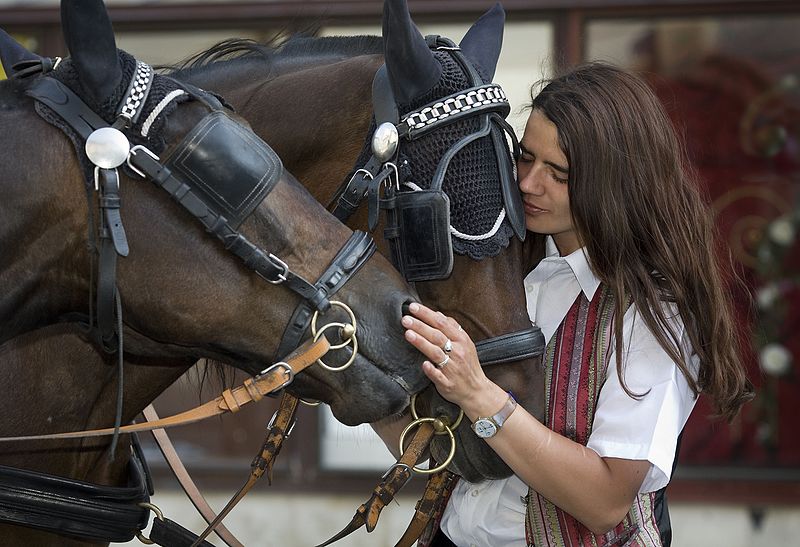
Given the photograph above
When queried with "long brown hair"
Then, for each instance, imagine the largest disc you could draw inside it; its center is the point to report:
(648, 232)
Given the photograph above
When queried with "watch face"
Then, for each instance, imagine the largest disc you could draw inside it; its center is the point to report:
(484, 428)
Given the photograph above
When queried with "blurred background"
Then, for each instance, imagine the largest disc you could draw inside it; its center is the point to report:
(728, 73)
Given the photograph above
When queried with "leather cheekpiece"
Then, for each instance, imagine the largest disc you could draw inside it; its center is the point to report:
(418, 232)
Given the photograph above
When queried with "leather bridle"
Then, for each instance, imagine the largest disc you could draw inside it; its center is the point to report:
(32, 494)
(379, 179)
(315, 296)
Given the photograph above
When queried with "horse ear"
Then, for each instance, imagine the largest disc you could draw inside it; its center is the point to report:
(12, 52)
(484, 40)
(90, 41)
(412, 68)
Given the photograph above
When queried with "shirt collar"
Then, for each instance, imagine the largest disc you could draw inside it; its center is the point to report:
(579, 264)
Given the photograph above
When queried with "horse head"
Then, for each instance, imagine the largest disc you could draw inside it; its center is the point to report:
(485, 291)
(223, 309)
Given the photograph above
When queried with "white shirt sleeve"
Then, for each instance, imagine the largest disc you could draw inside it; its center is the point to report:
(644, 428)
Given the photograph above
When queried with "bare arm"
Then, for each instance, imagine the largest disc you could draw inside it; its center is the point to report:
(597, 491)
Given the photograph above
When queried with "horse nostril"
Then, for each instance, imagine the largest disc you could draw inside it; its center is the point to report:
(405, 307)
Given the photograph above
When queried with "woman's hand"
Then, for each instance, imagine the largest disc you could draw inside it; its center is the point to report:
(457, 373)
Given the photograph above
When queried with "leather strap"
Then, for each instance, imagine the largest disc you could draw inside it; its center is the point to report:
(112, 243)
(231, 400)
(426, 507)
(279, 429)
(350, 258)
(394, 479)
(186, 482)
(75, 508)
(511, 347)
(63, 101)
(169, 533)
(264, 264)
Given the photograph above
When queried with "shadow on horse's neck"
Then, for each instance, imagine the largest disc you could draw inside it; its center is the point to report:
(42, 221)
(76, 391)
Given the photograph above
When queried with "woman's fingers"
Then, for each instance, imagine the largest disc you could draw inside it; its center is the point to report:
(439, 321)
(431, 350)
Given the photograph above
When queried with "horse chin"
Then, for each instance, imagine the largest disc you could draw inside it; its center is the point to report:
(360, 394)
(474, 460)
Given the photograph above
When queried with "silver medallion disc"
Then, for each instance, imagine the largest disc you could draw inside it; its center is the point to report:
(384, 141)
(107, 147)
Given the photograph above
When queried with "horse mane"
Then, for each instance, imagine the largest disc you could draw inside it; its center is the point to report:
(296, 48)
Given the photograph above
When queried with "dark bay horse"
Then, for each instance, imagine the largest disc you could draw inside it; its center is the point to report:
(223, 310)
(486, 295)
(320, 90)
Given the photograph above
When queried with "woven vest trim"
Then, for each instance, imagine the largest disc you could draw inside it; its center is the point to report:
(576, 363)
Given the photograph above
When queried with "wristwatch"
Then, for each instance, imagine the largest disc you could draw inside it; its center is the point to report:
(488, 427)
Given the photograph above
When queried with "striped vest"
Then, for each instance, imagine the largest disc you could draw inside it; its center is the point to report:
(576, 361)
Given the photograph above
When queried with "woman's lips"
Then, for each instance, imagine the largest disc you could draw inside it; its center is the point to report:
(533, 209)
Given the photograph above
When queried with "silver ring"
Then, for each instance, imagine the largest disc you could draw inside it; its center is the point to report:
(448, 346)
(443, 362)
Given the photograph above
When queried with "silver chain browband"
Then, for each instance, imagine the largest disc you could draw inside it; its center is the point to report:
(137, 92)
(474, 99)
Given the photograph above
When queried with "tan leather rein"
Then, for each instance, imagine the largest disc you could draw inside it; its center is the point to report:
(231, 400)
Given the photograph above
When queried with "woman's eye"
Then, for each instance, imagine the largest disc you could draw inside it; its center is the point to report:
(561, 180)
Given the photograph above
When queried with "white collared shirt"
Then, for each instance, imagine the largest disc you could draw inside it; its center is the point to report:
(492, 513)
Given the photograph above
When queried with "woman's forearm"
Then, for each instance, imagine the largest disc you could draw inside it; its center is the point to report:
(597, 491)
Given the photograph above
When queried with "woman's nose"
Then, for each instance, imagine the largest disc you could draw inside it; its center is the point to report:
(530, 181)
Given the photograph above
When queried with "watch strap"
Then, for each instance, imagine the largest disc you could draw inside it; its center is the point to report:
(500, 418)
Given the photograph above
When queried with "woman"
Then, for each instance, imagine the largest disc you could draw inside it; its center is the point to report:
(632, 302)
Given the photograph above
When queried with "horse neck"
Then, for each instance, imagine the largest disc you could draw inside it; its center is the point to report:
(44, 266)
(65, 384)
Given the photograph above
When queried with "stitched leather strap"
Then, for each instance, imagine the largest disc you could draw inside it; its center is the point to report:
(72, 507)
(394, 479)
(350, 258)
(231, 400)
(511, 347)
(426, 507)
(263, 263)
(279, 429)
